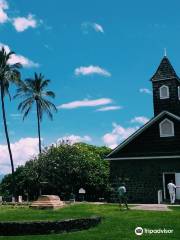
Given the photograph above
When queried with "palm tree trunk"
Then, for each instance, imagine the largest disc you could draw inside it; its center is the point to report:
(39, 130)
(7, 139)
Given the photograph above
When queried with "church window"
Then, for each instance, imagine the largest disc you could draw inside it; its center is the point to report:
(164, 92)
(166, 128)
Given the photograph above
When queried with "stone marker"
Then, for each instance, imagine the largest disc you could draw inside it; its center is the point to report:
(20, 199)
(1, 199)
(82, 192)
(160, 198)
(47, 201)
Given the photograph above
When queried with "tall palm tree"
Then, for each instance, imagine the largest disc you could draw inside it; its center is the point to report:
(33, 91)
(9, 73)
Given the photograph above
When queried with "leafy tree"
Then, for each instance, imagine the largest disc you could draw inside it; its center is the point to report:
(9, 73)
(66, 168)
(33, 91)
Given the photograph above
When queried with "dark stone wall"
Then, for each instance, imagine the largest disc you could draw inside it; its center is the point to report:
(143, 178)
(47, 227)
(172, 104)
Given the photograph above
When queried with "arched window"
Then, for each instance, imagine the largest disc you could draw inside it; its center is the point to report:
(164, 92)
(166, 128)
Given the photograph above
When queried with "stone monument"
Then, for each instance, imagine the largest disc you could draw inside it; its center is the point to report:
(20, 200)
(82, 193)
(47, 202)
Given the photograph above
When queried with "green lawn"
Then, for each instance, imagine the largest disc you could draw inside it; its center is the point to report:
(116, 224)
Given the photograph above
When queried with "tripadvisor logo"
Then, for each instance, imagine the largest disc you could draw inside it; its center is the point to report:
(139, 231)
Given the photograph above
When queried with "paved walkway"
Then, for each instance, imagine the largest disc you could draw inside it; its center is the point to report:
(151, 207)
(146, 207)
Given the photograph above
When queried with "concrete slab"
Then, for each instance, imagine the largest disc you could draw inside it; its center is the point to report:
(47, 201)
(151, 207)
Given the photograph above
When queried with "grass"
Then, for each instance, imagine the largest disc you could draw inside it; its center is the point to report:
(116, 224)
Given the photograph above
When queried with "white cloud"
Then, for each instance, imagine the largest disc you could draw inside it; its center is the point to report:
(98, 27)
(23, 23)
(145, 90)
(85, 103)
(140, 120)
(3, 15)
(16, 58)
(16, 115)
(90, 25)
(91, 70)
(19, 23)
(118, 134)
(74, 139)
(22, 150)
(23, 60)
(6, 47)
(109, 108)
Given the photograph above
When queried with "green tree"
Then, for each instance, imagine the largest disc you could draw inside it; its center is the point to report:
(66, 168)
(33, 91)
(9, 73)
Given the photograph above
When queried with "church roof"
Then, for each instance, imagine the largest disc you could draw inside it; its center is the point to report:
(165, 71)
(135, 135)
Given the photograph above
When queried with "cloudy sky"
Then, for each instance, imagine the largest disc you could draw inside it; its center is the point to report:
(99, 56)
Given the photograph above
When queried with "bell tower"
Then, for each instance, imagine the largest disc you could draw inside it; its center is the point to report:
(166, 89)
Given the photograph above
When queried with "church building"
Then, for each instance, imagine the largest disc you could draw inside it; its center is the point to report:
(148, 159)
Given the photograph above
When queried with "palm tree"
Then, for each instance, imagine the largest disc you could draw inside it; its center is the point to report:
(9, 73)
(33, 91)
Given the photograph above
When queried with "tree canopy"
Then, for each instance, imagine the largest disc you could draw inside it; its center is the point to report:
(63, 170)
(34, 92)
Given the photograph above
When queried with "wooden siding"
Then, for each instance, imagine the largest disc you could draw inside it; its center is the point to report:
(149, 142)
(172, 104)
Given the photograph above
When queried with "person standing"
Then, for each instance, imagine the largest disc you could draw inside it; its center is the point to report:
(122, 196)
(172, 191)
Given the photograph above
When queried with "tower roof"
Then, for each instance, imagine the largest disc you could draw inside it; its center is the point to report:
(164, 71)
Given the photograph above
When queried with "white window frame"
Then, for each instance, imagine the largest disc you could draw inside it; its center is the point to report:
(179, 92)
(160, 90)
(160, 128)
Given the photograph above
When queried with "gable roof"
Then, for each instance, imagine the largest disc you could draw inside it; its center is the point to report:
(142, 129)
(164, 71)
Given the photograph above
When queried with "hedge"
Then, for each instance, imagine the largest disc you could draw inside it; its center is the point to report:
(46, 227)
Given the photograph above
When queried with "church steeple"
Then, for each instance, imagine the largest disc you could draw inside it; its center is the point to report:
(165, 71)
(166, 88)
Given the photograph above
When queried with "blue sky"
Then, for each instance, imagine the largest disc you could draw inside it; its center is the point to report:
(99, 54)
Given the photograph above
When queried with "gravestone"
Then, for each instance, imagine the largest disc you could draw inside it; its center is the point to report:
(1, 199)
(19, 199)
(82, 193)
(47, 201)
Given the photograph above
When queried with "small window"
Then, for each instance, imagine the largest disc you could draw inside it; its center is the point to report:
(166, 128)
(164, 92)
(179, 92)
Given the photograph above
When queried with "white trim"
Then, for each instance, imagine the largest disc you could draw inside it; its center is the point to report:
(179, 92)
(148, 157)
(140, 130)
(160, 92)
(161, 130)
(164, 187)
